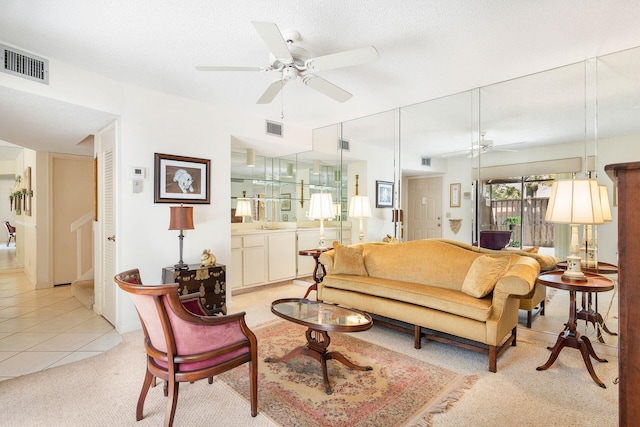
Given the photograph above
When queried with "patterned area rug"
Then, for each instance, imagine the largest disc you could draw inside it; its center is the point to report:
(399, 391)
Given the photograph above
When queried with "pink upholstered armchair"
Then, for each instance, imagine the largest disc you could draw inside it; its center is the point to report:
(184, 347)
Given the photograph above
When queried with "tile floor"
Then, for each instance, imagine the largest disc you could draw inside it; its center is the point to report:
(43, 328)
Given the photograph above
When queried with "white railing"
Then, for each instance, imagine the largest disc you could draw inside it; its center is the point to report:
(76, 227)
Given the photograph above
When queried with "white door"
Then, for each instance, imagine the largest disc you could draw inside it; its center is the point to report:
(425, 208)
(105, 230)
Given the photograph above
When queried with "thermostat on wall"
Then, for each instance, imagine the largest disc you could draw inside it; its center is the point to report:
(137, 173)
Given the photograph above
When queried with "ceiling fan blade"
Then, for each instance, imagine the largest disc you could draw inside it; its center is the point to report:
(329, 89)
(274, 40)
(343, 59)
(228, 68)
(271, 92)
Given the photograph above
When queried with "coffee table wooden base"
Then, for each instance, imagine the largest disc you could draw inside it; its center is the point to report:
(316, 348)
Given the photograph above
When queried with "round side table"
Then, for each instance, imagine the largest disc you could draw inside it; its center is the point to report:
(570, 337)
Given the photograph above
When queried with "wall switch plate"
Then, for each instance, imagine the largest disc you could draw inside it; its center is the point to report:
(137, 186)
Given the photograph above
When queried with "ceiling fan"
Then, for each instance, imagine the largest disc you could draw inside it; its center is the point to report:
(481, 147)
(292, 61)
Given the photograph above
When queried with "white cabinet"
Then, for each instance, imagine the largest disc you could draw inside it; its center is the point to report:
(234, 270)
(253, 260)
(282, 256)
(261, 257)
(309, 238)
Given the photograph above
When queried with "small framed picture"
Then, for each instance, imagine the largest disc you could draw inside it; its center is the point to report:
(286, 201)
(180, 179)
(384, 194)
(454, 195)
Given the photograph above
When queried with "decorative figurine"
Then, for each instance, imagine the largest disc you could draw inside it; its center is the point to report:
(207, 259)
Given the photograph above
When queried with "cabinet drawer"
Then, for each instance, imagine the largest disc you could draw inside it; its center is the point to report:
(252, 241)
(236, 242)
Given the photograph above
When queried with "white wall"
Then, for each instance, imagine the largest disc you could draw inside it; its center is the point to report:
(151, 122)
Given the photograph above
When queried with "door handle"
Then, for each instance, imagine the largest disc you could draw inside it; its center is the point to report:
(111, 238)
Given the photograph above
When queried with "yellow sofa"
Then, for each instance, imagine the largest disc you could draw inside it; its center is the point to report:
(435, 285)
(537, 297)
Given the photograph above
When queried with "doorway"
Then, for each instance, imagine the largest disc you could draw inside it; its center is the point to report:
(424, 214)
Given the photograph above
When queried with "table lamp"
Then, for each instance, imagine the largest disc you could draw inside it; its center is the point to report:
(359, 207)
(591, 232)
(321, 207)
(574, 202)
(181, 219)
(243, 206)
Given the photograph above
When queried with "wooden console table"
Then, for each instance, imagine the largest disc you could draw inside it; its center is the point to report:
(570, 337)
(318, 271)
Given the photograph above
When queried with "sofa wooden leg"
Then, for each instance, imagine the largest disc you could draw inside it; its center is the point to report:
(514, 333)
(417, 337)
(493, 359)
(542, 304)
(529, 316)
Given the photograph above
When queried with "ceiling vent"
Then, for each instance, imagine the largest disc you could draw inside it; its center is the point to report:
(274, 128)
(23, 64)
(426, 161)
(343, 144)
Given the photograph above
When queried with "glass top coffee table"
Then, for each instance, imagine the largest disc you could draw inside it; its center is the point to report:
(320, 318)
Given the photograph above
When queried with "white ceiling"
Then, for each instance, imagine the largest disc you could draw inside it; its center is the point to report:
(428, 49)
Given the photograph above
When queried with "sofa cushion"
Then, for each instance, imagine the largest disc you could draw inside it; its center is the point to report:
(434, 297)
(483, 275)
(349, 260)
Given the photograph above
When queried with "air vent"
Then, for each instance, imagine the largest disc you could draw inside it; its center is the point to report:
(426, 161)
(343, 144)
(274, 128)
(23, 64)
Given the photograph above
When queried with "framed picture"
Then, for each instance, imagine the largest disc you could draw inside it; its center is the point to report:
(180, 179)
(384, 194)
(454, 195)
(286, 201)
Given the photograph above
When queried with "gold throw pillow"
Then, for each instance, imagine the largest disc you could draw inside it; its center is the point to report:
(484, 274)
(348, 260)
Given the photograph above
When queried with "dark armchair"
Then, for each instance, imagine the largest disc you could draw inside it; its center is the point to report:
(184, 347)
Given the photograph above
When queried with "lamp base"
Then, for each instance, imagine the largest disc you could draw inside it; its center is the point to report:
(574, 277)
(573, 271)
(181, 266)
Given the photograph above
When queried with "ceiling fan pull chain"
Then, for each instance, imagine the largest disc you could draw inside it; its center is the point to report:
(282, 102)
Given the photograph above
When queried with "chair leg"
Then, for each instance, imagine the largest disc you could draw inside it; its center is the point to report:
(148, 378)
(171, 403)
(253, 384)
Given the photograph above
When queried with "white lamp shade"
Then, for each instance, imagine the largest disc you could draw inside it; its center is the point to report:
(604, 202)
(321, 206)
(337, 209)
(243, 207)
(251, 157)
(359, 207)
(575, 201)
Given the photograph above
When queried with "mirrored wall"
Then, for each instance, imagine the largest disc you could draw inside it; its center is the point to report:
(484, 159)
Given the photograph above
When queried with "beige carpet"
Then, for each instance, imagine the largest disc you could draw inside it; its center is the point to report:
(399, 390)
(103, 390)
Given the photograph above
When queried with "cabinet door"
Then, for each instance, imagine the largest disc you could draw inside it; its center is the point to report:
(253, 265)
(234, 270)
(282, 256)
(307, 239)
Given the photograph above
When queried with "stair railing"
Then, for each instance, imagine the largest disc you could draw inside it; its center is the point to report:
(76, 227)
